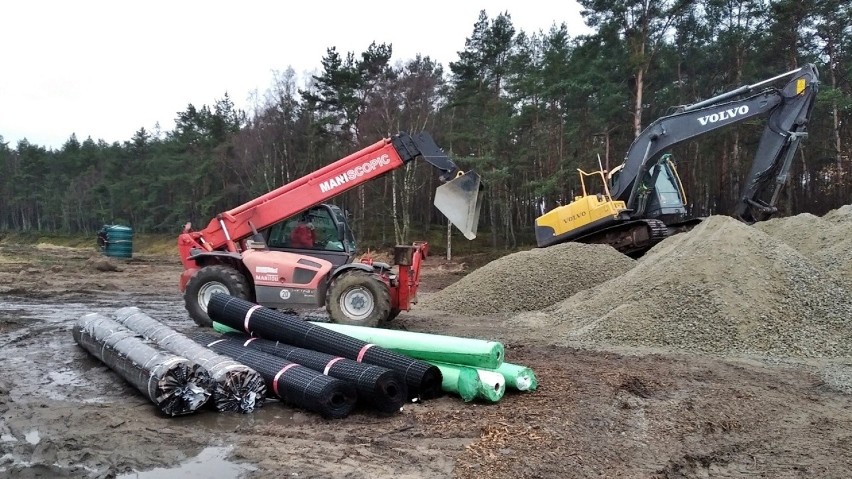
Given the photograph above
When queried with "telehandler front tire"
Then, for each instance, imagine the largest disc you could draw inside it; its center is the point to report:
(358, 298)
(210, 280)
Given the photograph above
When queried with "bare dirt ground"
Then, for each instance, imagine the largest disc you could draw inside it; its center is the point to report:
(597, 412)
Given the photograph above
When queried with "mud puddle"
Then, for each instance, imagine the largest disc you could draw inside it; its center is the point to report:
(41, 359)
(16, 309)
(211, 462)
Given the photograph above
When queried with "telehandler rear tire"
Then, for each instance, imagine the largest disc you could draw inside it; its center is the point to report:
(358, 298)
(210, 280)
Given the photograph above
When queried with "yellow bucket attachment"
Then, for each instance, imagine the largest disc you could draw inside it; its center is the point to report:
(460, 200)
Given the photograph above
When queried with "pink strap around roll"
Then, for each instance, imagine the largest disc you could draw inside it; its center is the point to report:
(364, 351)
(329, 365)
(275, 381)
(248, 316)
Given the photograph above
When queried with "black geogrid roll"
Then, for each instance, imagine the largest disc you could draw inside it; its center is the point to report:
(236, 387)
(381, 388)
(176, 385)
(295, 384)
(423, 379)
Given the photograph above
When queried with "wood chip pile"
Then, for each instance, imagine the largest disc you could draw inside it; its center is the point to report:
(530, 280)
(724, 287)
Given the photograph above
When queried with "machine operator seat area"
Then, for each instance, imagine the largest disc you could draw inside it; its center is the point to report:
(314, 229)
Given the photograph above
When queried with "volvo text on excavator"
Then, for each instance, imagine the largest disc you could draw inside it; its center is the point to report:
(287, 249)
(643, 200)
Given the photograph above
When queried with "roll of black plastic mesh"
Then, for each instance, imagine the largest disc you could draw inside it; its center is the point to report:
(380, 388)
(176, 385)
(293, 383)
(236, 387)
(423, 379)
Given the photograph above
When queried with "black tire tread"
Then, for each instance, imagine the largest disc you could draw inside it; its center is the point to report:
(382, 299)
(230, 277)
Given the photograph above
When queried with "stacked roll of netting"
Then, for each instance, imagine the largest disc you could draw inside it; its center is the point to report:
(423, 379)
(236, 387)
(293, 383)
(176, 385)
(380, 388)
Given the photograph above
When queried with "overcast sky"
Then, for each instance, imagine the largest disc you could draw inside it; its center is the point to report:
(107, 68)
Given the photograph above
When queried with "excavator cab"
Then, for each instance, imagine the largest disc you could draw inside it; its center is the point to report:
(460, 200)
(661, 194)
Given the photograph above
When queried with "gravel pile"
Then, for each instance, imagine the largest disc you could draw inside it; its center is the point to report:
(724, 287)
(530, 280)
(840, 215)
(827, 241)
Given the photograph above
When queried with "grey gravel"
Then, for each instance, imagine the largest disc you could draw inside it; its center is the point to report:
(724, 287)
(838, 377)
(840, 215)
(826, 240)
(530, 280)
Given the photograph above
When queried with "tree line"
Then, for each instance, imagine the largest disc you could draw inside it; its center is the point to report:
(523, 109)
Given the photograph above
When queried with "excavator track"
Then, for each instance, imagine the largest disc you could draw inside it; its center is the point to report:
(632, 238)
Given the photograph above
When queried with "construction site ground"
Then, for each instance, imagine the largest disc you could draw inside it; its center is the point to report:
(600, 411)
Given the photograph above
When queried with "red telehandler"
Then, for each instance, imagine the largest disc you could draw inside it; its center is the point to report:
(258, 251)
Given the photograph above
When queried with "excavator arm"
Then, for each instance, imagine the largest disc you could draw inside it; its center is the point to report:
(788, 110)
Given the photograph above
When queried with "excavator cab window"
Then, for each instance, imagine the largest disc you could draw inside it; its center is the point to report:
(665, 187)
(663, 192)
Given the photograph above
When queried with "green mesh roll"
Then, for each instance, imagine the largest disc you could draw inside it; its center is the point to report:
(492, 385)
(221, 328)
(472, 383)
(518, 377)
(477, 353)
(461, 380)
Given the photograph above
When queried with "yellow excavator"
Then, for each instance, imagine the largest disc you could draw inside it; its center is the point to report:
(642, 201)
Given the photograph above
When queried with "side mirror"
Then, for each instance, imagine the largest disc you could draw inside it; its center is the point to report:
(341, 232)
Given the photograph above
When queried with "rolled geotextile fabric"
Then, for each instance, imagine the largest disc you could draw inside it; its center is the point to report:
(492, 385)
(293, 383)
(518, 377)
(221, 328)
(461, 380)
(176, 385)
(428, 347)
(473, 383)
(237, 387)
(381, 388)
(423, 379)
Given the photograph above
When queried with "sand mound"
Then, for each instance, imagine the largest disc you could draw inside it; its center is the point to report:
(724, 287)
(530, 280)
